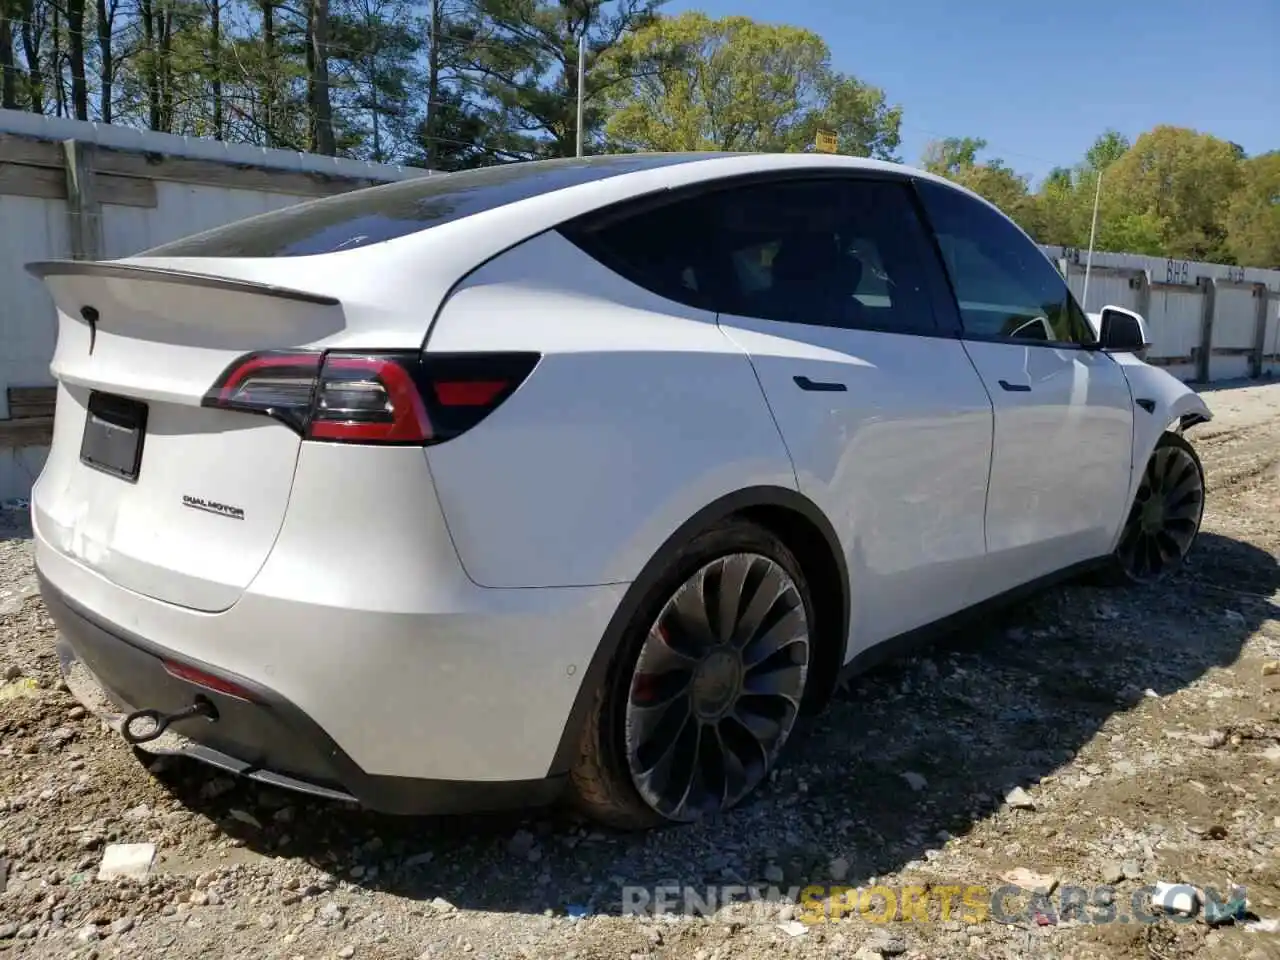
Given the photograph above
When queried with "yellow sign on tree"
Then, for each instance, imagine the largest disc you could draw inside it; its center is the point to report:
(826, 141)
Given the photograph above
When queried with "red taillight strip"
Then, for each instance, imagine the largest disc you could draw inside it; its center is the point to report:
(469, 393)
(266, 361)
(208, 681)
(409, 423)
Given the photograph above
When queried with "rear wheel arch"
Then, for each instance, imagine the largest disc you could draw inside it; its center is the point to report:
(803, 529)
(809, 536)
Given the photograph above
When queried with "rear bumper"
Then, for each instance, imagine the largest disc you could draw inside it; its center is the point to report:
(361, 620)
(267, 739)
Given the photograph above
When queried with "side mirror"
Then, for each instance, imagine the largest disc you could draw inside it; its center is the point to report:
(1122, 331)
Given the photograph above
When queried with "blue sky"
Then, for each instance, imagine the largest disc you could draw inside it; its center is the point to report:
(1039, 81)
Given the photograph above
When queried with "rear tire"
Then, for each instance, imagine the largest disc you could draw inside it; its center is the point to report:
(705, 687)
(1164, 519)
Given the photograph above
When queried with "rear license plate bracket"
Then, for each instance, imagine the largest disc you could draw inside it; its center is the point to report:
(114, 430)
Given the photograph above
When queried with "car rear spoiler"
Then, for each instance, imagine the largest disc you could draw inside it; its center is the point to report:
(115, 270)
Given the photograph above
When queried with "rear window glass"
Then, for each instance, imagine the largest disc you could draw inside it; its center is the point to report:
(374, 214)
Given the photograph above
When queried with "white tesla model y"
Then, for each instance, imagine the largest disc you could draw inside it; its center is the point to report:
(584, 475)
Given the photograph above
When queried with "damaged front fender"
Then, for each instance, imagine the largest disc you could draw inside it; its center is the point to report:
(1200, 415)
(1161, 403)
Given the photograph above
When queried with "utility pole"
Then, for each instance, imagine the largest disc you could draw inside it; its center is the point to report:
(582, 69)
(1093, 232)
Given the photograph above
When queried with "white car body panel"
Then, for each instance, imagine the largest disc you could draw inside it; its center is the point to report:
(658, 385)
(897, 462)
(434, 608)
(363, 618)
(1059, 476)
(143, 536)
(1173, 400)
(166, 344)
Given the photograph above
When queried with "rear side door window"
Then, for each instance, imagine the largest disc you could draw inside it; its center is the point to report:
(843, 253)
(827, 252)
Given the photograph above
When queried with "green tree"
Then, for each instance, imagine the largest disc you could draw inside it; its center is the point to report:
(956, 158)
(450, 123)
(1064, 202)
(736, 84)
(1060, 218)
(373, 47)
(1142, 232)
(526, 58)
(952, 156)
(164, 77)
(1253, 214)
(1106, 150)
(9, 81)
(454, 136)
(264, 81)
(1181, 180)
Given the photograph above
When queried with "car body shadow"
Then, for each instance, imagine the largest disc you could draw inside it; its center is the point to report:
(1000, 706)
(15, 548)
(15, 522)
(1225, 387)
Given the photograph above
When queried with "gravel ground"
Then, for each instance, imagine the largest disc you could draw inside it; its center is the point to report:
(1142, 726)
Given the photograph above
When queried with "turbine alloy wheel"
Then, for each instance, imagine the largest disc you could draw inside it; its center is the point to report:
(717, 686)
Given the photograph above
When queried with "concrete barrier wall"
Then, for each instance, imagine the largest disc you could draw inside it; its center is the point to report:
(1207, 321)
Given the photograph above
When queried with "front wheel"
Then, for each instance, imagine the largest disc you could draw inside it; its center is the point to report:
(1164, 519)
(706, 687)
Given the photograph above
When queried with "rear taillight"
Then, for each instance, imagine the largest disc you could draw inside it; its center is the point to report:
(368, 400)
(404, 398)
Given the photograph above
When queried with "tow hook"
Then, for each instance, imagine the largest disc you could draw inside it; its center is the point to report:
(159, 722)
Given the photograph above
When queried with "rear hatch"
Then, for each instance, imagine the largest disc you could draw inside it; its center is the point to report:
(143, 484)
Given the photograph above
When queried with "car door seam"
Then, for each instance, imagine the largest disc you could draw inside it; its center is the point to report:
(764, 396)
(991, 458)
(1134, 465)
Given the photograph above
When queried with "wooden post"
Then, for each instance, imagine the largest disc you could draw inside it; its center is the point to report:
(1143, 283)
(1208, 288)
(84, 212)
(1262, 296)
